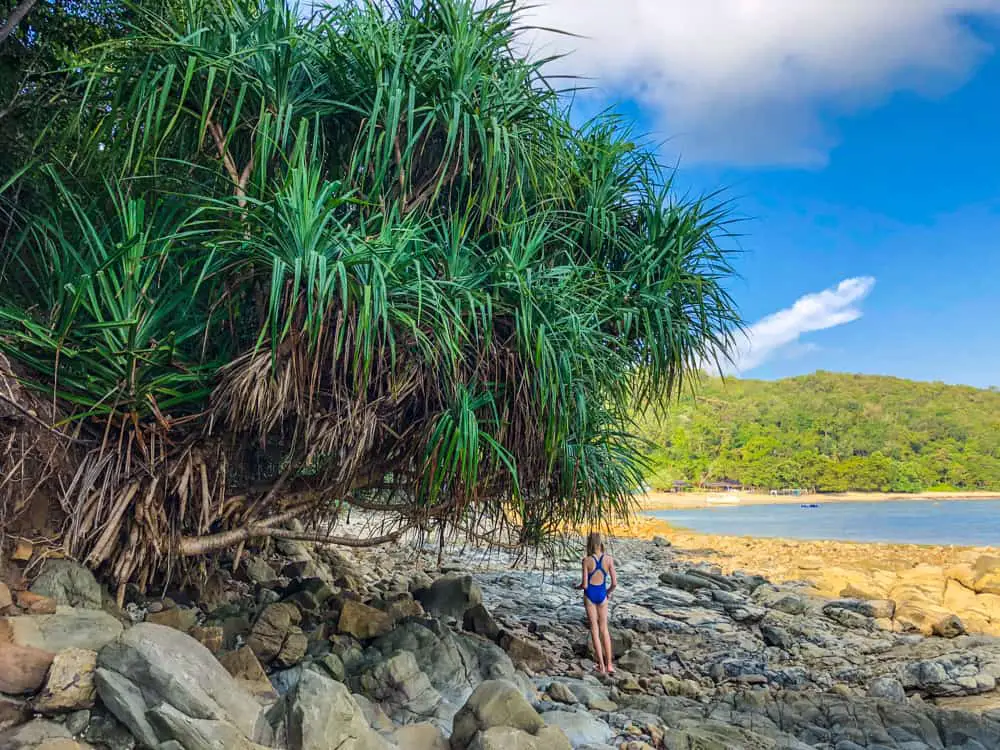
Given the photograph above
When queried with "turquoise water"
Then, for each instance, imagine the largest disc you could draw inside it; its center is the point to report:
(963, 522)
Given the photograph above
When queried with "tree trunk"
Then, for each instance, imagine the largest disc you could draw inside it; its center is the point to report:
(16, 16)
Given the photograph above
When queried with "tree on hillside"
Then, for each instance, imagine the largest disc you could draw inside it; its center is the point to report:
(363, 259)
(830, 432)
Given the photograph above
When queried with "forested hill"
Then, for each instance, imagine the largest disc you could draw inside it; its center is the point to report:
(831, 432)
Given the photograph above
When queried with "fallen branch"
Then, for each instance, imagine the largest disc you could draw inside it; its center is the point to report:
(200, 545)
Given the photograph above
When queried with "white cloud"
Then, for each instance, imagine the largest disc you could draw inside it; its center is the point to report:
(749, 81)
(773, 335)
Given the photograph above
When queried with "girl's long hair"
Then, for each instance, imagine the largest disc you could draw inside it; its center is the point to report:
(594, 543)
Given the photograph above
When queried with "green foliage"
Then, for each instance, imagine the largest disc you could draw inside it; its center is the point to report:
(366, 256)
(830, 432)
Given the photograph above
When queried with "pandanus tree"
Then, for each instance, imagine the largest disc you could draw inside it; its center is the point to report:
(366, 258)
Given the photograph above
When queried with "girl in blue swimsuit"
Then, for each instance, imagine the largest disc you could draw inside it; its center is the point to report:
(599, 581)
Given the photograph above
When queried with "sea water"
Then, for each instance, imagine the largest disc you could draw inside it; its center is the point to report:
(961, 522)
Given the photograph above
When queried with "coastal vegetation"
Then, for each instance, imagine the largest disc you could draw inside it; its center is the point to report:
(828, 432)
(261, 266)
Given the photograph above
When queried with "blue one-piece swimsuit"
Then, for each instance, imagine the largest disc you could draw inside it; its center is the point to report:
(597, 593)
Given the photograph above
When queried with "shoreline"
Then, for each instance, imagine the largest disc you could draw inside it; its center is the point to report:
(697, 500)
(926, 582)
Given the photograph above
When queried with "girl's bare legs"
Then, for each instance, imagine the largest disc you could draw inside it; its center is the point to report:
(595, 632)
(602, 614)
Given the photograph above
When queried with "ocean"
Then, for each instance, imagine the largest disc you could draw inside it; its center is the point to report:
(961, 522)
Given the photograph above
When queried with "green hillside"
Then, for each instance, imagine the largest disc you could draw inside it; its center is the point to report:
(830, 432)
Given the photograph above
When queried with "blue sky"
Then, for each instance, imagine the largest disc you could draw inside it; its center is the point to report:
(862, 144)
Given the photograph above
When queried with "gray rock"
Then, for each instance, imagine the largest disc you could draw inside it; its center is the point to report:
(450, 596)
(77, 722)
(151, 666)
(204, 734)
(33, 734)
(454, 663)
(259, 571)
(68, 628)
(477, 619)
(581, 727)
(874, 608)
(69, 584)
(887, 688)
(637, 662)
(323, 715)
(406, 691)
(495, 703)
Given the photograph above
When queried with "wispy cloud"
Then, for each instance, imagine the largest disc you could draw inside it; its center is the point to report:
(773, 335)
(748, 81)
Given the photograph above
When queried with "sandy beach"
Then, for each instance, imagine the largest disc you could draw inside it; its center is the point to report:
(689, 500)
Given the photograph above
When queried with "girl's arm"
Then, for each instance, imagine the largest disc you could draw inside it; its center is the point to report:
(583, 578)
(613, 574)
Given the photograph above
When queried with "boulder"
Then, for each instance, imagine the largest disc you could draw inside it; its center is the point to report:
(293, 650)
(580, 727)
(405, 690)
(178, 618)
(68, 583)
(22, 668)
(323, 715)
(454, 663)
(560, 693)
(273, 625)
(40, 734)
(404, 606)
(362, 621)
(495, 703)
(204, 734)
(478, 620)
(70, 682)
(507, 738)
(259, 571)
(450, 596)
(949, 627)
(246, 668)
(67, 628)
(524, 653)
(151, 666)
(887, 688)
(211, 637)
(636, 661)
(420, 737)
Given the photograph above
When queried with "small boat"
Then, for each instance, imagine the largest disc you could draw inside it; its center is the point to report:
(726, 498)
(809, 505)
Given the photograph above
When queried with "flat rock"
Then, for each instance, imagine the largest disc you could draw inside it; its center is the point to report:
(67, 628)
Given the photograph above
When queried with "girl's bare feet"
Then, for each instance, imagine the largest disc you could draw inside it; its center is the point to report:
(611, 668)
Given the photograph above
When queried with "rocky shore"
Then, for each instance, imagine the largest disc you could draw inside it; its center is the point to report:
(308, 648)
(928, 585)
